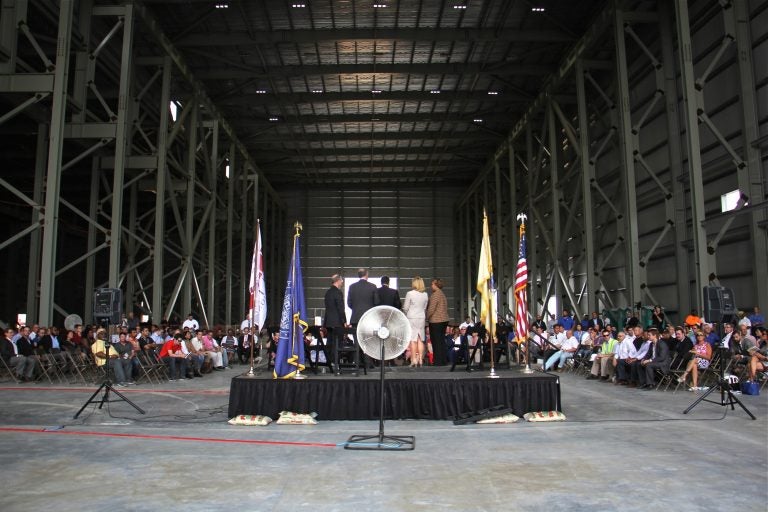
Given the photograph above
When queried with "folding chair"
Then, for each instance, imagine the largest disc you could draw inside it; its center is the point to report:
(78, 365)
(5, 368)
(315, 351)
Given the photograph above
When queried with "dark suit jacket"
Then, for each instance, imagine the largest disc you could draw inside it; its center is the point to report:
(334, 308)
(386, 296)
(6, 349)
(360, 299)
(24, 346)
(661, 353)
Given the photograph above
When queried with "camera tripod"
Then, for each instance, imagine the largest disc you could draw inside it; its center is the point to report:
(726, 396)
(107, 387)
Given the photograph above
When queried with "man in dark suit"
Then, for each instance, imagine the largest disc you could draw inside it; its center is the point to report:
(361, 297)
(657, 357)
(386, 296)
(335, 319)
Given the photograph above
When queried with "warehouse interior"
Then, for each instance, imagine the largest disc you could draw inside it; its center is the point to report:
(141, 142)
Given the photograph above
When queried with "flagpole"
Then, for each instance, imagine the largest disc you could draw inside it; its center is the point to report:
(527, 340)
(294, 331)
(254, 295)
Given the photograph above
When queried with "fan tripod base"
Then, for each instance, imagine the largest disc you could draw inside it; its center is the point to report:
(381, 442)
(107, 387)
(726, 398)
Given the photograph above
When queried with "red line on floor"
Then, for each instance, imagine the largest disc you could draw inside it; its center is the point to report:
(122, 390)
(165, 438)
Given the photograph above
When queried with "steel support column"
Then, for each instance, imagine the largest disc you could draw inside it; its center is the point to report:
(214, 175)
(704, 267)
(158, 251)
(752, 180)
(587, 177)
(55, 146)
(675, 209)
(121, 147)
(189, 218)
(230, 233)
(35, 237)
(632, 251)
(556, 195)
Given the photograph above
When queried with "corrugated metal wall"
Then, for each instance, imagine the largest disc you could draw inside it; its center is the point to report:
(400, 232)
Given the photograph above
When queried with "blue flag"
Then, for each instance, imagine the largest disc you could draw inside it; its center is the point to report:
(293, 321)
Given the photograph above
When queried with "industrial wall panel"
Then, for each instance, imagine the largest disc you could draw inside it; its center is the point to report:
(401, 233)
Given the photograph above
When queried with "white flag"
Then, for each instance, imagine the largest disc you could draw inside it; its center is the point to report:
(258, 291)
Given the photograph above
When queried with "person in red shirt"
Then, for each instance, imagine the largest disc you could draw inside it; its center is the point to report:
(172, 355)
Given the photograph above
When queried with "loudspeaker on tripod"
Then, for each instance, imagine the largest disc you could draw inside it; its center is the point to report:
(719, 304)
(107, 305)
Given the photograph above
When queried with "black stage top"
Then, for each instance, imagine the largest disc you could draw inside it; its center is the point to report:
(427, 394)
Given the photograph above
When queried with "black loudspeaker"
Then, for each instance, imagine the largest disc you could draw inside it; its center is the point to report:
(719, 304)
(107, 305)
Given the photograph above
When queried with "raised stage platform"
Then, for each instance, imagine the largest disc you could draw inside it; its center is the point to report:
(429, 393)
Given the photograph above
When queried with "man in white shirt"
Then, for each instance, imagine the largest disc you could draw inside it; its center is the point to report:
(626, 354)
(190, 323)
(246, 324)
(567, 350)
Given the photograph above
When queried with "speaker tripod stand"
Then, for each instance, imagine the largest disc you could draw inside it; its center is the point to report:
(726, 395)
(107, 388)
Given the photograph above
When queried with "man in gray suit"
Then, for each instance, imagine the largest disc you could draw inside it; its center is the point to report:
(657, 358)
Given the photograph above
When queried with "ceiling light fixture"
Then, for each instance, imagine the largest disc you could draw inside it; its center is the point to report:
(379, 6)
(436, 91)
(273, 119)
(538, 9)
(222, 6)
(493, 93)
(298, 6)
(477, 120)
(261, 91)
(375, 91)
(317, 91)
(459, 6)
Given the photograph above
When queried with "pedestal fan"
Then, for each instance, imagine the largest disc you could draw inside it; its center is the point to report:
(383, 333)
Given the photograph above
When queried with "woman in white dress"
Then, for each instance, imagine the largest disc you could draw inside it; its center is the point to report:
(414, 307)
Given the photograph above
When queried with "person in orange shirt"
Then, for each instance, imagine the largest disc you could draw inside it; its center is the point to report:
(693, 319)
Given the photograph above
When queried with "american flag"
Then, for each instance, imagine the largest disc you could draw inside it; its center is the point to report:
(521, 284)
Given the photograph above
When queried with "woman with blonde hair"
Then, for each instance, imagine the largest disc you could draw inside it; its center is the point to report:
(414, 307)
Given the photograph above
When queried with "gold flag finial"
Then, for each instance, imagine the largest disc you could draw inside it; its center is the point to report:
(298, 226)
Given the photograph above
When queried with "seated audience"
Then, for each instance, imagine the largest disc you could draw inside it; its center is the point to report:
(702, 357)
(602, 365)
(173, 356)
(567, 351)
(657, 358)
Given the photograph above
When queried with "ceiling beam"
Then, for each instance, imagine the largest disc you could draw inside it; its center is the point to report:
(252, 122)
(362, 165)
(328, 97)
(290, 139)
(370, 34)
(496, 68)
(436, 152)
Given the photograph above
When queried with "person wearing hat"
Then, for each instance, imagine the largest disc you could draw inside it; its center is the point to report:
(99, 350)
(190, 323)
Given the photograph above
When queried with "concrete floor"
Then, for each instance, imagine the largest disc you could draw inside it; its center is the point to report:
(621, 449)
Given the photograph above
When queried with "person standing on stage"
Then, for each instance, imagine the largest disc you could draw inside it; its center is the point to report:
(335, 320)
(386, 296)
(415, 307)
(437, 317)
(361, 297)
